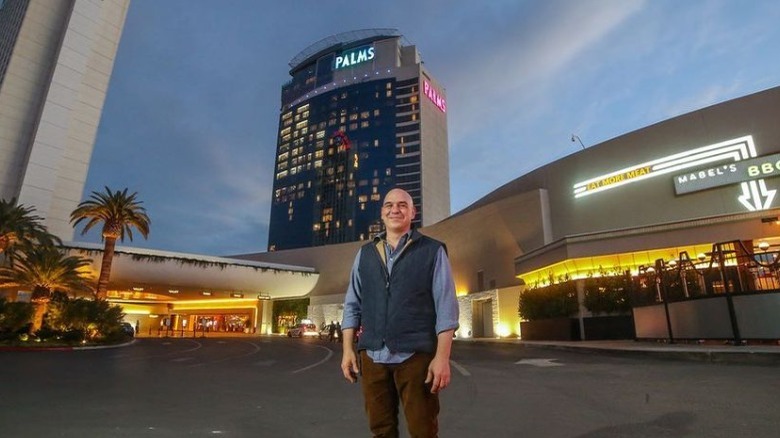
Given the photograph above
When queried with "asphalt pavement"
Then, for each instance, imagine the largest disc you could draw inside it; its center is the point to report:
(710, 351)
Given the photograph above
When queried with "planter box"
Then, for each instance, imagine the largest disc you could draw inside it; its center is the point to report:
(568, 329)
(554, 329)
(599, 328)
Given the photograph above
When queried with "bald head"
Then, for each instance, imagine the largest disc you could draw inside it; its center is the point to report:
(398, 212)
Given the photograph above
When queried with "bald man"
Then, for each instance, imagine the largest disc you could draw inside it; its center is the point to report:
(402, 294)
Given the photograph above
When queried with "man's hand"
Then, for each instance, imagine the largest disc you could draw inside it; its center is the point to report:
(438, 373)
(349, 362)
(439, 369)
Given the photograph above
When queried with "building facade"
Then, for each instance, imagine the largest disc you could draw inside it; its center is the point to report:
(673, 192)
(56, 58)
(360, 116)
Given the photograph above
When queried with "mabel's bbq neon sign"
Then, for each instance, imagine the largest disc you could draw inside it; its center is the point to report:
(731, 150)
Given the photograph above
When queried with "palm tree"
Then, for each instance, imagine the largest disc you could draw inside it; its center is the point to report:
(19, 226)
(46, 269)
(119, 213)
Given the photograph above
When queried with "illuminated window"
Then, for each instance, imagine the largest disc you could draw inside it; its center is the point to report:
(376, 113)
(364, 124)
(353, 117)
(389, 93)
(375, 197)
(413, 99)
(287, 115)
(353, 126)
(376, 143)
(365, 114)
(362, 198)
(320, 134)
(389, 85)
(302, 108)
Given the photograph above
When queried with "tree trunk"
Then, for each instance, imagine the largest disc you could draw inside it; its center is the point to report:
(105, 268)
(40, 309)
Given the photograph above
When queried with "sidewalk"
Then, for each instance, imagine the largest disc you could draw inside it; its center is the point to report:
(706, 352)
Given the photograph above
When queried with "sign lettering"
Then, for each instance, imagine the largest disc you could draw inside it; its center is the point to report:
(353, 57)
(727, 174)
(434, 96)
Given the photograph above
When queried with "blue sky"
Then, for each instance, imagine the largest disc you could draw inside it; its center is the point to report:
(191, 114)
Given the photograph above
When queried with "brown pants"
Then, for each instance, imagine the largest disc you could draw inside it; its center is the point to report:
(385, 384)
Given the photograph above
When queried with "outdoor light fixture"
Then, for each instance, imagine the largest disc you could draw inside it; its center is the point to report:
(701, 256)
(576, 138)
(673, 263)
(763, 245)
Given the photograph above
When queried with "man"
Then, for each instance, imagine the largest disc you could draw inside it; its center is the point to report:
(402, 294)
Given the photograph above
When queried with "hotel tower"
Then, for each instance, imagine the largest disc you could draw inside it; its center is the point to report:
(360, 116)
(56, 59)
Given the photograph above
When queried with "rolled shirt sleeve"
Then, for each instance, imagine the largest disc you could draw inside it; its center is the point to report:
(352, 302)
(444, 296)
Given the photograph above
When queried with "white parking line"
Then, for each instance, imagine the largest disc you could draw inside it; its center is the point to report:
(463, 371)
(542, 363)
(328, 356)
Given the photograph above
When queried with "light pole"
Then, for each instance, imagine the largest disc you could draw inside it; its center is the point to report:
(576, 138)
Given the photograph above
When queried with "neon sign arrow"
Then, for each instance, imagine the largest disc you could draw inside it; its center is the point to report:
(752, 194)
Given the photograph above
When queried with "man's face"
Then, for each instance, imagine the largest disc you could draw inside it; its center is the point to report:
(398, 211)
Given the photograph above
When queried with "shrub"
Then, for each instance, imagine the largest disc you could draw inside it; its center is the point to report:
(14, 317)
(78, 319)
(554, 301)
(608, 295)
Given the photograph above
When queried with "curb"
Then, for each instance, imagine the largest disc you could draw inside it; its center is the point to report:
(703, 354)
(91, 347)
(707, 356)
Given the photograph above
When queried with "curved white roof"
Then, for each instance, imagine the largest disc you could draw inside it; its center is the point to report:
(340, 38)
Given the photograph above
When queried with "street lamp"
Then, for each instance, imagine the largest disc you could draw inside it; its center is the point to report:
(576, 138)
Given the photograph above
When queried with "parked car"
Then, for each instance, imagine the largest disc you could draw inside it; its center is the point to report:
(128, 329)
(302, 329)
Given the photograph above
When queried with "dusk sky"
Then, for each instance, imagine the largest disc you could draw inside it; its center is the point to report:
(191, 116)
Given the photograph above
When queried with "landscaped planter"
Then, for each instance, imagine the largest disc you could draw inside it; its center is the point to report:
(553, 329)
(568, 329)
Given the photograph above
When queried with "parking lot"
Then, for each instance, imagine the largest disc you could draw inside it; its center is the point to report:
(290, 387)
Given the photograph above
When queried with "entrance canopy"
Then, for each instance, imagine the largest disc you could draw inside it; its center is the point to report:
(162, 276)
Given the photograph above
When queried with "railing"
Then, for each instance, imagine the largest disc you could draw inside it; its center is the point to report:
(730, 269)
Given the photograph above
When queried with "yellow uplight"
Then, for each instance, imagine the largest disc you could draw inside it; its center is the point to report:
(610, 264)
(503, 330)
